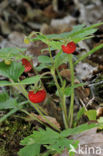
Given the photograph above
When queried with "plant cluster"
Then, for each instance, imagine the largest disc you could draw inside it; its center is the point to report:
(14, 62)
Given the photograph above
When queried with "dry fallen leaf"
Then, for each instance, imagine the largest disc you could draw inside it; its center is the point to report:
(62, 66)
(66, 74)
(47, 29)
(100, 112)
(35, 48)
(51, 119)
(49, 12)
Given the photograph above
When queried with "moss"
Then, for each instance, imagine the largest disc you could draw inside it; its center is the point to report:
(2, 151)
(11, 132)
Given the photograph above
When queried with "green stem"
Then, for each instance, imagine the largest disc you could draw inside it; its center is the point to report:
(62, 100)
(46, 73)
(12, 111)
(61, 95)
(52, 61)
(55, 79)
(89, 53)
(71, 109)
(61, 80)
(65, 118)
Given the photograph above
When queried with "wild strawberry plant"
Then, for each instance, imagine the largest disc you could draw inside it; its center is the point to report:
(14, 62)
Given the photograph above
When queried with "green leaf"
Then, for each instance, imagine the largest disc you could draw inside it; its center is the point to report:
(76, 40)
(65, 34)
(42, 66)
(31, 150)
(52, 140)
(55, 44)
(7, 102)
(84, 31)
(41, 37)
(47, 49)
(82, 34)
(91, 114)
(79, 115)
(51, 43)
(41, 137)
(78, 130)
(12, 53)
(67, 90)
(60, 58)
(100, 120)
(45, 137)
(5, 83)
(12, 111)
(77, 34)
(12, 71)
(34, 141)
(60, 145)
(30, 80)
(78, 31)
(44, 59)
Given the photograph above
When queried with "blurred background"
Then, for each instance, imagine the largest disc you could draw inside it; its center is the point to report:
(19, 17)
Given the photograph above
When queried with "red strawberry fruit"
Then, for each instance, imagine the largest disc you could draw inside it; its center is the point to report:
(70, 48)
(37, 97)
(27, 65)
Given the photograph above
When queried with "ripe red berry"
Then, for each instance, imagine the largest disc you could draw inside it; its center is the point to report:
(70, 48)
(27, 65)
(37, 97)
